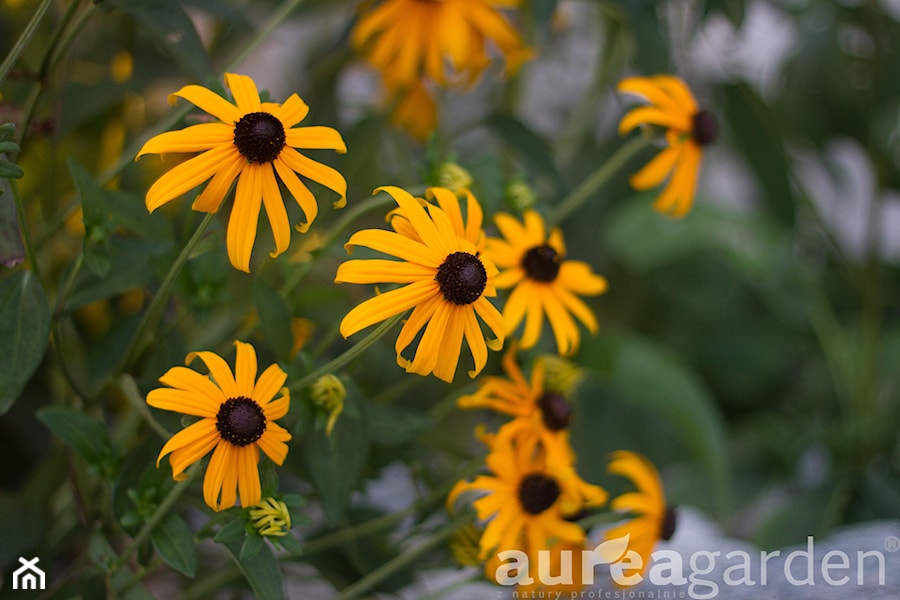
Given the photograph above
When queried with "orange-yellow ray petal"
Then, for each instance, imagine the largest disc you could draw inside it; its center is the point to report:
(430, 346)
(300, 192)
(291, 112)
(379, 270)
(196, 434)
(210, 199)
(195, 138)
(244, 92)
(315, 138)
(651, 115)
(323, 174)
(420, 316)
(186, 176)
(245, 368)
(276, 212)
(210, 102)
(244, 219)
(386, 305)
(654, 172)
(577, 276)
(192, 381)
(182, 401)
(269, 383)
(397, 245)
(247, 459)
(274, 448)
(183, 457)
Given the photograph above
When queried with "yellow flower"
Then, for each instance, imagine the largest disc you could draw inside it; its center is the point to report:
(415, 111)
(237, 418)
(445, 281)
(654, 520)
(688, 130)
(528, 501)
(251, 142)
(544, 283)
(541, 416)
(406, 39)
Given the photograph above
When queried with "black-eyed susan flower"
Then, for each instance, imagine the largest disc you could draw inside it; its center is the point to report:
(252, 142)
(688, 129)
(445, 280)
(541, 416)
(528, 500)
(653, 519)
(414, 110)
(543, 282)
(444, 40)
(237, 415)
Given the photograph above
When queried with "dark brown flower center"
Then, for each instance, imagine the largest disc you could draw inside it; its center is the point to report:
(259, 137)
(240, 421)
(705, 127)
(537, 493)
(555, 410)
(668, 525)
(462, 278)
(541, 263)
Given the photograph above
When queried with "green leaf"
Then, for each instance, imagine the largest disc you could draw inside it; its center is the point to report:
(645, 375)
(12, 252)
(174, 542)
(291, 544)
(10, 170)
(274, 317)
(24, 333)
(335, 463)
(173, 29)
(534, 150)
(6, 131)
(232, 531)
(87, 435)
(261, 572)
(10, 147)
(253, 543)
(98, 224)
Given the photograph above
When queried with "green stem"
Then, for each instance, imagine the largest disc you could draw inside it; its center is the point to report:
(177, 114)
(369, 527)
(23, 227)
(158, 515)
(598, 179)
(405, 558)
(342, 359)
(63, 36)
(162, 295)
(212, 585)
(24, 39)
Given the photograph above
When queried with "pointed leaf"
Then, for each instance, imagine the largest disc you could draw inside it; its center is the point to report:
(261, 571)
(232, 531)
(174, 542)
(24, 333)
(12, 252)
(87, 435)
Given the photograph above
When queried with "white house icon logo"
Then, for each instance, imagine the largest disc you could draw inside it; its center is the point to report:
(28, 576)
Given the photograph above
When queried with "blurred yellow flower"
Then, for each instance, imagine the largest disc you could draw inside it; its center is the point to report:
(444, 40)
(529, 500)
(237, 419)
(251, 143)
(543, 283)
(444, 280)
(688, 129)
(415, 111)
(653, 519)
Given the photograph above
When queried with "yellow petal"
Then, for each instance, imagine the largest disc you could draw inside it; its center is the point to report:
(316, 171)
(209, 101)
(220, 478)
(382, 271)
(244, 219)
(274, 448)
(219, 370)
(244, 92)
(191, 381)
(430, 346)
(291, 112)
(396, 245)
(268, 384)
(247, 459)
(245, 369)
(277, 408)
(210, 199)
(300, 192)
(195, 138)
(651, 115)
(420, 316)
(276, 213)
(386, 305)
(194, 435)
(654, 172)
(315, 138)
(577, 276)
(183, 457)
(186, 176)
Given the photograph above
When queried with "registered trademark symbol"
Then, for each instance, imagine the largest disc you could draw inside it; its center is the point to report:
(891, 543)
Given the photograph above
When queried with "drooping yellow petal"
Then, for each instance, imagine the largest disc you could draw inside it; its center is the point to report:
(396, 245)
(208, 394)
(186, 176)
(654, 172)
(210, 199)
(269, 383)
(651, 115)
(278, 407)
(247, 459)
(386, 305)
(428, 352)
(649, 89)
(276, 212)
(220, 473)
(300, 192)
(577, 276)
(206, 436)
(183, 401)
(451, 344)
(195, 435)
(274, 448)
(242, 225)
(322, 174)
(420, 316)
